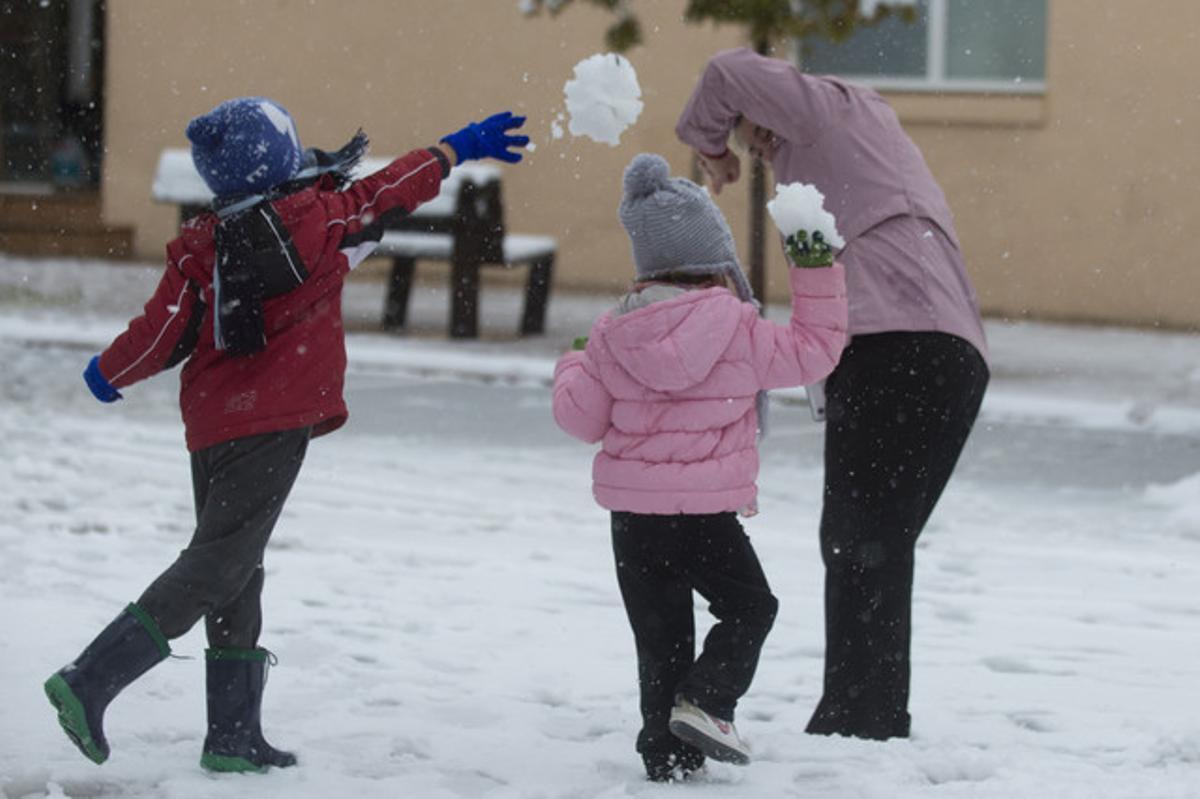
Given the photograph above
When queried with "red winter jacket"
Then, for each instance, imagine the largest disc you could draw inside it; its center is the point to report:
(297, 380)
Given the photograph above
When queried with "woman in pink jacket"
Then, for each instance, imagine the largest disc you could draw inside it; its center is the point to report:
(906, 392)
(671, 383)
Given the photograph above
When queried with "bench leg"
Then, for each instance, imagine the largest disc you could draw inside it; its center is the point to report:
(464, 298)
(537, 295)
(395, 304)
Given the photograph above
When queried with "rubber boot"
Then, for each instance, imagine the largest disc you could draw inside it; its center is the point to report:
(235, 689)
(80, 691)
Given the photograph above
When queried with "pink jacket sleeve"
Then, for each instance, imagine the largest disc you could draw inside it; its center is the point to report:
(582, 405)
(768, 91)
(809, 346)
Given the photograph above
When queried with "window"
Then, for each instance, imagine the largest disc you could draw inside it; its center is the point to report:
(51, 112)
(964, 45)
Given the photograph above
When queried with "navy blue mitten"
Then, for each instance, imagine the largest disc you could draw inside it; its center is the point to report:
(488, 139)
(98, 383)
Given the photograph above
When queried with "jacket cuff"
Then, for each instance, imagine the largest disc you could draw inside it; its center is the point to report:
(823, 281)
(98, 384)
(442, 160)
(566, 360)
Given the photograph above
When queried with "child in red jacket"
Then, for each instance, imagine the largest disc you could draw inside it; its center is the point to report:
(251, 302)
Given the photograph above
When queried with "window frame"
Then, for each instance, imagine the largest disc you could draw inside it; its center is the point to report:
(935, 80)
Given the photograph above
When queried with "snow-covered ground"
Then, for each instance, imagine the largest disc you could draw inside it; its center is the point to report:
(442, 602)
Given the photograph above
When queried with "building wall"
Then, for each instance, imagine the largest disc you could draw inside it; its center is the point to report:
(1070, 205)
(1079, 204)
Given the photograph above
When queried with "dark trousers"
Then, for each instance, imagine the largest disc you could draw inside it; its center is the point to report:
(899, 408)
(660, 561)
(239, 487)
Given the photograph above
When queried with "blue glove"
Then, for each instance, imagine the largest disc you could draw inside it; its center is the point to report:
(488, 139)
(98, 383)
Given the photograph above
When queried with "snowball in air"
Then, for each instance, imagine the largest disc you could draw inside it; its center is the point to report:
(801, 206)
(603, 99)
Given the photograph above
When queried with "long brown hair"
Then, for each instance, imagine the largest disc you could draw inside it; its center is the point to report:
(689, 279)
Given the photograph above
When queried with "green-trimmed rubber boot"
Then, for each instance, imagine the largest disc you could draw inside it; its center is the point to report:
(235, 680)
(80, 691)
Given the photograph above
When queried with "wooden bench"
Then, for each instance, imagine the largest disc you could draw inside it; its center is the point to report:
(463, 226)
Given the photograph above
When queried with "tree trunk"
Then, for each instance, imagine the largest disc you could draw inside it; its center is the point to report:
(758, 214)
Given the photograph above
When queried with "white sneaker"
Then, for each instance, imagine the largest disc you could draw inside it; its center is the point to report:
(715, 737)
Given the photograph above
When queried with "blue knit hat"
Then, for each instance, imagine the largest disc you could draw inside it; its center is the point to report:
(245, 146)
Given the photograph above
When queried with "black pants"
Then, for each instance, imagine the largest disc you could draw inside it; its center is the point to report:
(899, 408)
(660, 561)
(239, 487)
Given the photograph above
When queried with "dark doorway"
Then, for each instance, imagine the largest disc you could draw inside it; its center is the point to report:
(51, 94)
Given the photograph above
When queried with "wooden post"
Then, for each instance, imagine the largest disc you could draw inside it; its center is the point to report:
(395, 305)
(758, 214)
(537, 295)
(464, 265)
(758, 232)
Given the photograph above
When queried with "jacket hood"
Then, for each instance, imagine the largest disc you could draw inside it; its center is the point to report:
(674, 344)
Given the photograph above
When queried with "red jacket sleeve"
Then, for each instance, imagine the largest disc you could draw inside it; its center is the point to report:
(405, 183)
(158, 339)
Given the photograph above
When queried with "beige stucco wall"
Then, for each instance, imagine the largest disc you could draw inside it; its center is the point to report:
(1071, 205)
(408, 72)
(1082, 204)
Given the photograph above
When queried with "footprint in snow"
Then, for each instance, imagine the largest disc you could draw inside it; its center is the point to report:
(1010, 665)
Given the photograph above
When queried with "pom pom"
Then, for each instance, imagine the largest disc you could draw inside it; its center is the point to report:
(205, 131)
(646, 174)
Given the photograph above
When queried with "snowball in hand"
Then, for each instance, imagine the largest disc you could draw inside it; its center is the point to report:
(801, 206)
(603, 98)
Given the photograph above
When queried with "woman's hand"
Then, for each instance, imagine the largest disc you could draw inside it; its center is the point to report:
(721, 170)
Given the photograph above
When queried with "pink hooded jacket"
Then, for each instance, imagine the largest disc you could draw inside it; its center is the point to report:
(669, 389)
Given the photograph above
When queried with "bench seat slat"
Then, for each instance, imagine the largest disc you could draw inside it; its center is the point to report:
(518, 247)
(416, 245)
(176, 181)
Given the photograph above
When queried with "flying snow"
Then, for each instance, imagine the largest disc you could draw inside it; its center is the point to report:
(604, 98)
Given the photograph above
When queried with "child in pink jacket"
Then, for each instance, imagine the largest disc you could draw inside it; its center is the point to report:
(670, 383)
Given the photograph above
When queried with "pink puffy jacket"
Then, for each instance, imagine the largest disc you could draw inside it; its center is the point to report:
(670, 390)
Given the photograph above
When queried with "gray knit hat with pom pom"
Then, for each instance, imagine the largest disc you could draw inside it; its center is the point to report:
(674, 226)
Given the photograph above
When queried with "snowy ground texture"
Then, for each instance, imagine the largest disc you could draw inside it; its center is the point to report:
(441, 597)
